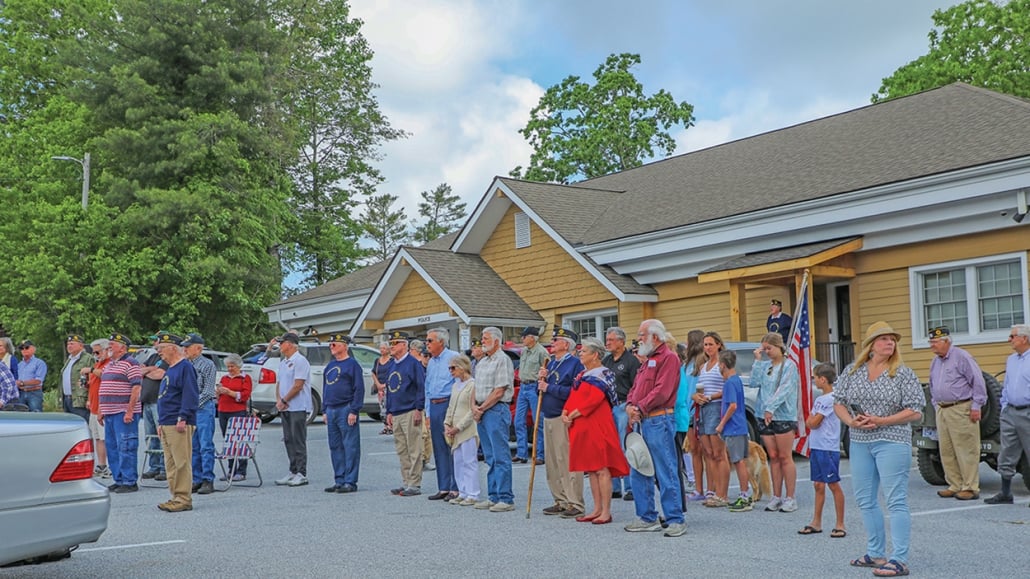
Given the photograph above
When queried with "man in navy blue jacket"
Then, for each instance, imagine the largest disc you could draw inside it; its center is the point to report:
(343, 395)
(405, 399)
(556, 382)
(176, 420)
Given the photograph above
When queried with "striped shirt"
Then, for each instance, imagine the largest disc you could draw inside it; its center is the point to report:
(116, 385)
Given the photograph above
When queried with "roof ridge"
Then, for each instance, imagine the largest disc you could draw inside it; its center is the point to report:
(564, 185)
(988, 92)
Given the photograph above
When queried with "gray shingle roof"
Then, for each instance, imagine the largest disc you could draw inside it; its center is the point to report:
(365, 278)
(953, 127)
(780, 254)
(470, 282)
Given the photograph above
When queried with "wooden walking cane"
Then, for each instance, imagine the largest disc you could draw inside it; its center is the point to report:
(532, 467)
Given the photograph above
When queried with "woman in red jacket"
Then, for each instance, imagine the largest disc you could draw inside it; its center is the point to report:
(233, 396)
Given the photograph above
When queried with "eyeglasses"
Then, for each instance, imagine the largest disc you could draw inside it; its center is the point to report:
(96, 351)
(452, 367)
(1013, 336)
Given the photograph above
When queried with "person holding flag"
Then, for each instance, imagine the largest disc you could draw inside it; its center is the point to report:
(777, 380)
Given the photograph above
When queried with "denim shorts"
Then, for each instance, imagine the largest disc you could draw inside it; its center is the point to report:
(711, 414)
(824, 465)
(777, 427)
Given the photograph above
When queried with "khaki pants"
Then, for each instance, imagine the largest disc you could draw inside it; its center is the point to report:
(566, 487)
(959, 447)
(178, 449)
(407, 440)
(427, 440)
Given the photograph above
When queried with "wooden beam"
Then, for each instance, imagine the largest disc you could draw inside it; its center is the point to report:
(738, 312)
(784, 266)
(832, 271)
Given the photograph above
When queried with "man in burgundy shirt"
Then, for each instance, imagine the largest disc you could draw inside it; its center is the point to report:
(650, 404)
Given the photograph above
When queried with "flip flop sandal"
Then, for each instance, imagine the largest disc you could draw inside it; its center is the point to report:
(866, 561)
(809, 530)
(838, 533)
(891, 568)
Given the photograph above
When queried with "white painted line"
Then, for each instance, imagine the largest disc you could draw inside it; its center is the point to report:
(381, 453)
(134, 546)
(954, 510)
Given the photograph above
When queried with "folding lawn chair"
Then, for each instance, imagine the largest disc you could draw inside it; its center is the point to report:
(241, 439)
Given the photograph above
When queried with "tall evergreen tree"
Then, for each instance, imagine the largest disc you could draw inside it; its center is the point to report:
(384, 225)
(443, 213)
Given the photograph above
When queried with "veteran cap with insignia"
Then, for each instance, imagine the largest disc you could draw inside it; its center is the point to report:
(560, 332)
(398, 336)
(120, 338)
(153, 337)
(75, 338)
(339, 337)
(776, 303)
(939, 332)
(192, 338)
(477, 344)
(167, 338)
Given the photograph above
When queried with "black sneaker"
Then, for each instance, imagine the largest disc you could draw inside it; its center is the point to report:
(126, 489)
(627, 496)
(207, 487)
(999, 499)
(196, 487)
(347, 489)
(150, 474)
(333, 489)
(161, 476)
(114, 488)
(616, 494)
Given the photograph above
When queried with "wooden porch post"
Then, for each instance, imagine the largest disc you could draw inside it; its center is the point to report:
(738, 312)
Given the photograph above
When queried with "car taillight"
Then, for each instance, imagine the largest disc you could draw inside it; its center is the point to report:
(77, 464)
(267, 377)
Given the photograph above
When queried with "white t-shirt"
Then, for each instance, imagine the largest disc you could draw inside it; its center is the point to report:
(295, 367)
(827, 436)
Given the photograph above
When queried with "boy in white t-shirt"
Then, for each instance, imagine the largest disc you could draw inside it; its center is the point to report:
(824, 443)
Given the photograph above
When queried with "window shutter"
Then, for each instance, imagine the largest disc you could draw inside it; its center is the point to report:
(521, 230)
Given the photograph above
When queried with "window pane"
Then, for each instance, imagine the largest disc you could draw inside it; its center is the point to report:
(1000, 295)
(944, 300)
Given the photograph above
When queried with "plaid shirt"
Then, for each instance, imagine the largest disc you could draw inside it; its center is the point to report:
(206, 375)
(495, 371)
(8, 387)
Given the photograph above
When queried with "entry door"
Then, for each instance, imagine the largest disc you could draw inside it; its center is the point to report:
(838, 299)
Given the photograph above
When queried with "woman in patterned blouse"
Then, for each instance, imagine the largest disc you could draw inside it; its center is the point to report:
(879, 397)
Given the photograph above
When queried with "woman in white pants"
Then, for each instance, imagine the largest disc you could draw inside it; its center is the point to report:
(461, 432)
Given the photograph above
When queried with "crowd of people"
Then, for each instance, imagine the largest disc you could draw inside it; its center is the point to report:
(575, 407)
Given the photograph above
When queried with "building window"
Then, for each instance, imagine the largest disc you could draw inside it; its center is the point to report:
(592, 324)
(978, 300)
(521, 230)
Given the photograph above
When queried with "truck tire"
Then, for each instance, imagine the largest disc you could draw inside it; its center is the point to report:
(930, 467)
(316, 407)
(1024, 469)
(990, 414)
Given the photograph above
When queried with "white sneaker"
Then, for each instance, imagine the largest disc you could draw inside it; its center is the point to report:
(774, 505)
(298, 480)
(285, 480)
(484, 504)
(789, 505)
(468, 502)
(502, 508)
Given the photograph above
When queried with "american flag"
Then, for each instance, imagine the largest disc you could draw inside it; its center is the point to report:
(800, 342)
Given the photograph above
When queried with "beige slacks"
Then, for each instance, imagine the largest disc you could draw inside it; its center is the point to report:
(178, 449)
(566, 487)
(959, 447)
(407, 440)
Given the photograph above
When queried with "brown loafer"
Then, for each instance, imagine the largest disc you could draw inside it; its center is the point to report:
(946, 493)
(967, 495)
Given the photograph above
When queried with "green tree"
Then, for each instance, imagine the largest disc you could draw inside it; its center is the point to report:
(980, 42)
(579, 131)
(384, 226)
(443, 213)
(340, 131)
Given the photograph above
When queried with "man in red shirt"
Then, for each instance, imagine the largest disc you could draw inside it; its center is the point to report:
(650, 404)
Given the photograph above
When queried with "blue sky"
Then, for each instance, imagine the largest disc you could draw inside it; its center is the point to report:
(462, 75)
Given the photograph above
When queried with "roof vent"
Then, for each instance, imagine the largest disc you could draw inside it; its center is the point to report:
(521, 230)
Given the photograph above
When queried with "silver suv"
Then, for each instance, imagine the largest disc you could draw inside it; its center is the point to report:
(263, 370)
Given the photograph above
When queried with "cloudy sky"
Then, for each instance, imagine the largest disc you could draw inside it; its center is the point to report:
(462, 75)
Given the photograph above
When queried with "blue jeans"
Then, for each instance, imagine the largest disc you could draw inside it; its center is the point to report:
(82, 413)
(493, 437)
(883, 463)
(33, 399)
(122, 442)
(344, 446)
(659, 433)
(441, 450)
(527, 403)
(155, 461)
(621, 422)
(204, 444)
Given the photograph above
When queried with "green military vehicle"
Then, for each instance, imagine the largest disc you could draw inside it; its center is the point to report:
(924, 436)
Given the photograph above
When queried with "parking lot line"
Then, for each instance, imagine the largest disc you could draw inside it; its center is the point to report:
(953, 510)
(133, 546)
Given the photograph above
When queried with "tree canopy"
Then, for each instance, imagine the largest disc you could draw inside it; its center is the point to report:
(579, 131)
(980, 42)
(443, 213)
(385, 226)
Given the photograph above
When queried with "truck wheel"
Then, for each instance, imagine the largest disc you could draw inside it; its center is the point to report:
(990, 414)
(316, 407)
(1024, 469)
(930, 466)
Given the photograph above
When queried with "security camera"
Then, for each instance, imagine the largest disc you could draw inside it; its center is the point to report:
(1021, 207)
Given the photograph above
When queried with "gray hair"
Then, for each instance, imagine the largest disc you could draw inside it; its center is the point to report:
(384, 343)
(234, 359)
(616, 331)
(102, 342)
(8, 345)
(495, 332)
(594, 345)
(1022, 330)
(417, 345)
(441, 334)
(654, 328)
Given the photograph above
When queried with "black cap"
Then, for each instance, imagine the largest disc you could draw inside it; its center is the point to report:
(192, 338)
(167, 338)
(75, 338)
(25, 344)
(560, 332)
(531, 331)
(290, 337)
(340, 337)
(120, 338)
(939, 332)
(397, 335)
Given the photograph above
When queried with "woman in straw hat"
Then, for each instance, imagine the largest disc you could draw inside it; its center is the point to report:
(879, 397)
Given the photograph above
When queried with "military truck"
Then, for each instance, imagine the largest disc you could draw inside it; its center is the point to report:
(925, 438)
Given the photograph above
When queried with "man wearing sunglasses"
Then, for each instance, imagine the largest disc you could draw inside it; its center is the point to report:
(439, 384)
(31, 373)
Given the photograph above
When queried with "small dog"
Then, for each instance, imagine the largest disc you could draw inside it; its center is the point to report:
(759, 478)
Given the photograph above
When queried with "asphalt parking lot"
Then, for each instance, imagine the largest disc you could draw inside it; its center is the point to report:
(285, 532)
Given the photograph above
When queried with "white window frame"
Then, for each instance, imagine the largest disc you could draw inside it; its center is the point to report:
(597, 315)
(975, 336)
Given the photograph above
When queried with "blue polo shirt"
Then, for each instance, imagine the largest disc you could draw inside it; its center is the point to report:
(32, 369)
(733, 392)
(405, 385)
(560, 376)
(439, 382)
(343, 385)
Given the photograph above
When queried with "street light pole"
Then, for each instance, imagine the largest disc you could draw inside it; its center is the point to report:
(84, 163)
